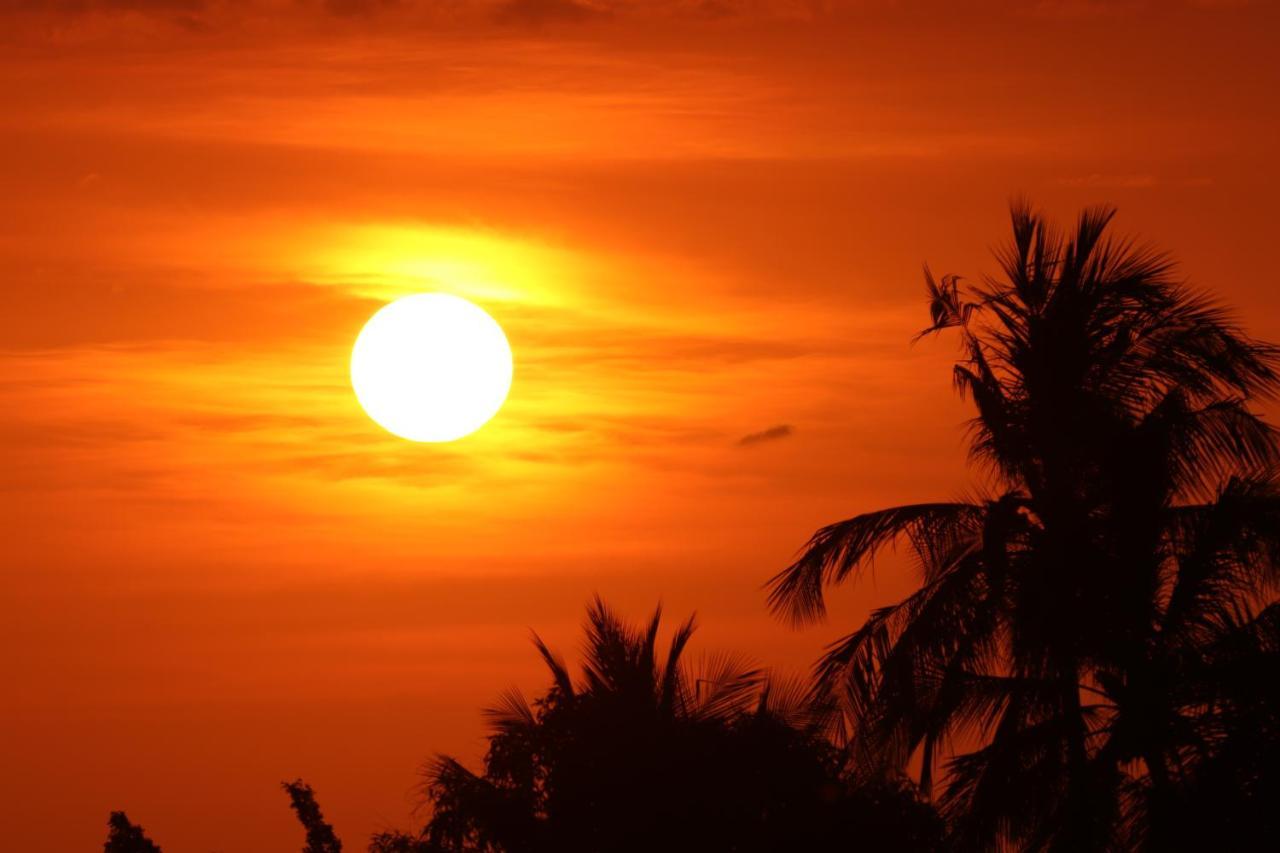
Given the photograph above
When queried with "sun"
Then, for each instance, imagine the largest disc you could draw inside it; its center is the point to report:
(431, 367)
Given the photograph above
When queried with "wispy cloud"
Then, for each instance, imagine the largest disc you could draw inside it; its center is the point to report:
(540, 12)
(1121, 181)
(773, 433)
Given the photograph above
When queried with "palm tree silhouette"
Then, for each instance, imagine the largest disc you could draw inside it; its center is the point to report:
(643, 753)
(1096, 620)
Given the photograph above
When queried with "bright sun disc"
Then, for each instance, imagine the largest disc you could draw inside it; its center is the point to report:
(431, 367)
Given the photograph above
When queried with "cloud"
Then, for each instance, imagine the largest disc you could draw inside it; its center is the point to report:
(1119, 181)
(349, 8)
(76, 307)
(773, 433)
(1132, 181)
(87, 6)
(539, 12)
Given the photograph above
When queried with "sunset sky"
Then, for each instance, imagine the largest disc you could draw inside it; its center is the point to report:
(701, 224)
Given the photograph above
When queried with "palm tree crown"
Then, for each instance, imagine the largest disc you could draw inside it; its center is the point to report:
(1089, 622)
(644, 753)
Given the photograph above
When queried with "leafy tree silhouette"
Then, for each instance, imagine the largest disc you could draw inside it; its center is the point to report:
(644, 754)
(1101, 621)
(320, 835)
(401, 842)
(125, 837)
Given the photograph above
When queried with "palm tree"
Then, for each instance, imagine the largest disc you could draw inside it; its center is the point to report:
(1091, 622)
(644, 754)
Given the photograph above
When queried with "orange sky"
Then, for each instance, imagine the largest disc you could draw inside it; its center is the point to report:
(697, 220)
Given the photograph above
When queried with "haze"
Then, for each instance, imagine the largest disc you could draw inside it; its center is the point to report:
(701, 225)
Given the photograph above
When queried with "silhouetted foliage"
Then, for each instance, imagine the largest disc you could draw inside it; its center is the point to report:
(1098, 623)
(1090, 661)
(641, 754)
(400, 842)
(126, 837)
(320, 835)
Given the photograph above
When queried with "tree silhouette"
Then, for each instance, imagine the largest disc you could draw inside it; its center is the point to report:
(125, 837)
(1099, 621)
(643, 754)
(401, 842)
(320, 835)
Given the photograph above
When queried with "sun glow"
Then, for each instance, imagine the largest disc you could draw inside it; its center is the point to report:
(392, 260)
(431, 367)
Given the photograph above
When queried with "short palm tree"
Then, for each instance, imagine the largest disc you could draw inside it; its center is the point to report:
(642, 753)
(1085, 639)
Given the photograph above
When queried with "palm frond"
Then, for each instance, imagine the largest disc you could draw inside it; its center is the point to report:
(511, 713)
(726, 685)
(837, 550)
(947, 307)
(555, 663)
(1228, 552)
(672, 682)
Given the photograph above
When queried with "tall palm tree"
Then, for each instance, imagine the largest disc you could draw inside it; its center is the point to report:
(644, 753)
(1083, 622)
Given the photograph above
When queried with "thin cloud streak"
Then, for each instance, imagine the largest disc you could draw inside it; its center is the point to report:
(773, 433)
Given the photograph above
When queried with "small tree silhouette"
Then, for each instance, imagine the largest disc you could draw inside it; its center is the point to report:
(126, 837)
(320, 835)
(644, 752)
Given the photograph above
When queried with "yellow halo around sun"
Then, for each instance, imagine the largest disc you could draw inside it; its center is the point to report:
(431, 367)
